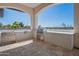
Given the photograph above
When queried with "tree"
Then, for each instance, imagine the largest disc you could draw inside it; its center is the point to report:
(1, 25)
(8, 26)
(21, 24)
(15, 25)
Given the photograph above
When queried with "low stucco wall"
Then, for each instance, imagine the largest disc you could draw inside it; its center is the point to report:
(61, 39)
(23, 36)
(13, 37)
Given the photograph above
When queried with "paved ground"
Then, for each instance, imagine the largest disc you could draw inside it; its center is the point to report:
(39, 48)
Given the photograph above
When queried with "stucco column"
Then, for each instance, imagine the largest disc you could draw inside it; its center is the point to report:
(76, 24)
(34, 24)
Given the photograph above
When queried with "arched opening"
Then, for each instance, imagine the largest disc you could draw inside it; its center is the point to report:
(15, 26)
(14, 19)
(57, 17)
(57, 21)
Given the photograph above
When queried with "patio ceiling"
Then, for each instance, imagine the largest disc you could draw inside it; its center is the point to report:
(32, 5)
(36, 6)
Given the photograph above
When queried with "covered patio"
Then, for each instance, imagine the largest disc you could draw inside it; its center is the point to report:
(54, 44)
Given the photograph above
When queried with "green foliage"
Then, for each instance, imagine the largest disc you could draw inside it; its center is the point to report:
(1, 25)
(16, 25)
(21, 24)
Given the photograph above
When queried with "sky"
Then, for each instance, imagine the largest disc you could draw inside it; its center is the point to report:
(52, 16)
(11, 15)
(56, 15)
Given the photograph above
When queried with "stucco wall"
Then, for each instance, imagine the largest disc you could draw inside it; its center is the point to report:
(76, 41)
(76, 24)
(7, 37)
(20, 36)
(13, 37)
(60, 39)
